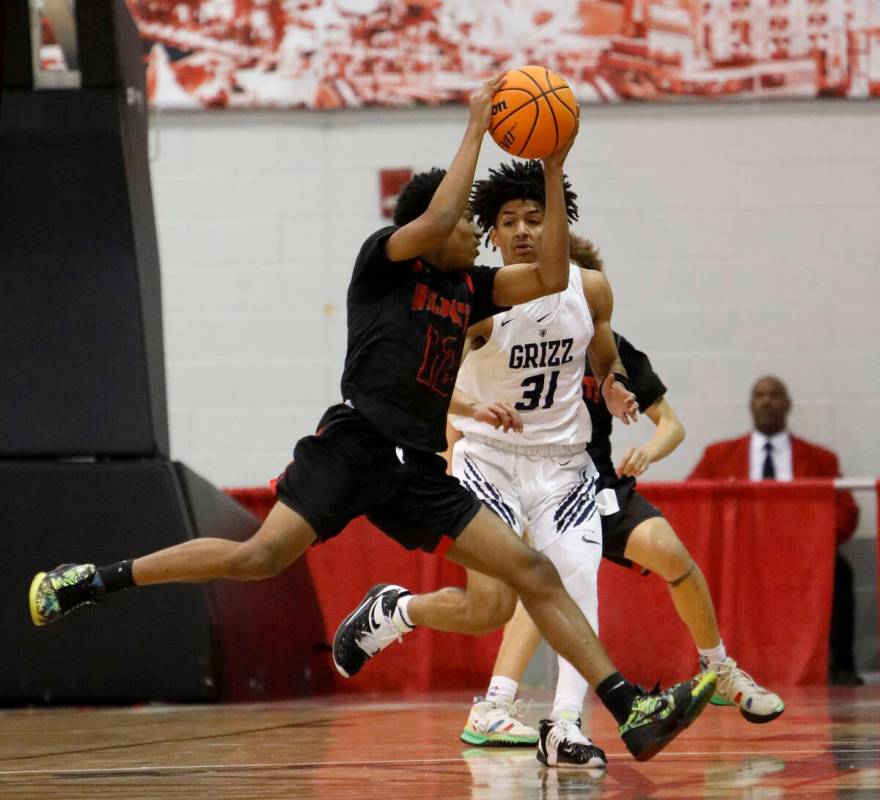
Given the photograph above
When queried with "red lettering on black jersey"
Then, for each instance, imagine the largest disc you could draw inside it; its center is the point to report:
(426, 299)
(439, 362)
(420, 297)
(453, 312)
(591, 389)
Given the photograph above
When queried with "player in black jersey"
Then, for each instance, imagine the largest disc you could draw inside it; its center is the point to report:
(413, 293)
(633, 530)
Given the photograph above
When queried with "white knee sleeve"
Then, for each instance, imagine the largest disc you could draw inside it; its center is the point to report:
(577, 562)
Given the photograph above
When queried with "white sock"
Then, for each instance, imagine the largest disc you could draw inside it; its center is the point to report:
(502, 690)
(571, 689)
(710, 659)
(399, 616)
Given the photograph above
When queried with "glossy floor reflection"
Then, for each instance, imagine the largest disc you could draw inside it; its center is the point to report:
(826, 745)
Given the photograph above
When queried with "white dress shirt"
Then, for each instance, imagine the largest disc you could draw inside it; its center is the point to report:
(781, 443)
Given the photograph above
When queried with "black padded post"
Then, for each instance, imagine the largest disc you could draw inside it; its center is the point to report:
(147, 643)
(16, 66)
(80, 298)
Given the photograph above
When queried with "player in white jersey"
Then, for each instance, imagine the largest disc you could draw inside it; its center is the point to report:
(631, 526)
(542, 479)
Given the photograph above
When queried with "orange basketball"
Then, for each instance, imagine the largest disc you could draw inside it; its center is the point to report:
(534, 114)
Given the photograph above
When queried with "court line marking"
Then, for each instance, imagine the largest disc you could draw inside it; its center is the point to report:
(166, 741)
(171, 768)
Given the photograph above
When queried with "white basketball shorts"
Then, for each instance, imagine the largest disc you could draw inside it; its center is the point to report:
(546, 495)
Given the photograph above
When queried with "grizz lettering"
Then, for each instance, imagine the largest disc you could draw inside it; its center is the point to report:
(535, 355)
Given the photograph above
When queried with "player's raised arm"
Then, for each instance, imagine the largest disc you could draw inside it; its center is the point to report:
(519, 283)
(432, 228)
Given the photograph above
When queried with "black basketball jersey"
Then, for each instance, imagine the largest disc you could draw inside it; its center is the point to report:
(645, 385)
(406, 330)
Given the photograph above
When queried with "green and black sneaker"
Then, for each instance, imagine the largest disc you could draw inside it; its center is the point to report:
(53, 594)
(657, 718)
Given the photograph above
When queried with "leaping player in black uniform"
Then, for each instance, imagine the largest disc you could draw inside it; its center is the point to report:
(413, 293)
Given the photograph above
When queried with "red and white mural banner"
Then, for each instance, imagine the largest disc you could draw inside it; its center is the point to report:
(352, 53)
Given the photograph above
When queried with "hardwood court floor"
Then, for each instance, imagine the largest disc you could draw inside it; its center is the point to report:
(826, 745)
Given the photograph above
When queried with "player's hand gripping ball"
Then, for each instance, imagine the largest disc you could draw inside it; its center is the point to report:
(534, 113)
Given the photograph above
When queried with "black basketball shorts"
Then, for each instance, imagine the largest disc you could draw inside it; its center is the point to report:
(616, 528)
(349, 468)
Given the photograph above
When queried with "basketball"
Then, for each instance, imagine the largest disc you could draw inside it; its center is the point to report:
(534, 113)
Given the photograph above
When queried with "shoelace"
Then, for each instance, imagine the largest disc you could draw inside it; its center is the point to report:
(572, 733)
(741, 673)
(373, 640)
(517, 709)
(566, 735)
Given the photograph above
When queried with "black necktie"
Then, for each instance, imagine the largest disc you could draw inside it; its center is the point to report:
(768, 471)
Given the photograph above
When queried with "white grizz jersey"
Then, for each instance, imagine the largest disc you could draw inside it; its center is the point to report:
(534, 360)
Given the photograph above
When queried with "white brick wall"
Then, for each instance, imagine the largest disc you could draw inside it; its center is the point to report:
(740, 239)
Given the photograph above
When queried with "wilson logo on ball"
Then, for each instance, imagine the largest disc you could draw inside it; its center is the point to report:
(507, 140)
(534, 113)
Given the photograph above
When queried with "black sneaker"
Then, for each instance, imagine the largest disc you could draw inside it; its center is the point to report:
(561, 744)
(655, 719)
(369, 629)
(57, 592)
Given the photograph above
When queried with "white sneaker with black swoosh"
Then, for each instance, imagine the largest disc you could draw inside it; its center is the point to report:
(370, 628)
(561, 744)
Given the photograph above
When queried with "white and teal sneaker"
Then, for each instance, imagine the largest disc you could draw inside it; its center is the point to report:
(737, 688)
(497, 724)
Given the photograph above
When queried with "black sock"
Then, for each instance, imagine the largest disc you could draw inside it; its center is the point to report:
(616, 694)
(115, 577)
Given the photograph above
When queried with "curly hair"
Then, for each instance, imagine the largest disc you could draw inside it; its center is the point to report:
(517, 180)
(584, 253)
(416, 196)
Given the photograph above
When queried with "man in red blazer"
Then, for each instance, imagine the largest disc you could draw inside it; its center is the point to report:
(770, 452)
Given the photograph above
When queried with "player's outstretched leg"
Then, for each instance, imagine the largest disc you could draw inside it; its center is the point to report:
(737, 688)
(561, 744)
(378, 621)
(654, 545)
(282, 538)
